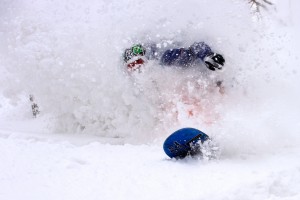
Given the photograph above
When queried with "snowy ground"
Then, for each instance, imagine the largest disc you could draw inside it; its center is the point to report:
(48, 167)
(100, 131)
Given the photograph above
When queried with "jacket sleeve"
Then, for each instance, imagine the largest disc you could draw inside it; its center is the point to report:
(201, 50)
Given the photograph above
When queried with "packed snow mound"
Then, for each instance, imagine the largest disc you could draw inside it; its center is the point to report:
(68, 54)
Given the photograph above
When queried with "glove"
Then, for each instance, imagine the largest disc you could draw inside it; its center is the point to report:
(214, 61)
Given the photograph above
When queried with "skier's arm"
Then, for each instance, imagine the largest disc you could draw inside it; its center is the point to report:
(201, 50)
(212, 60)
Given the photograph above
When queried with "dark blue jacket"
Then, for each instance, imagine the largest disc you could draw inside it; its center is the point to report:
(184, 56)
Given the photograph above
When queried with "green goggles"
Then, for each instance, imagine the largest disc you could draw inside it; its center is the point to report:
(138, 50)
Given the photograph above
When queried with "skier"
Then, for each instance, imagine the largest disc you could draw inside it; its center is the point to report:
(170, 55)
(197, 53)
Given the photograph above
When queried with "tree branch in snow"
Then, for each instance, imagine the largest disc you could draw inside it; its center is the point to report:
(258, 4)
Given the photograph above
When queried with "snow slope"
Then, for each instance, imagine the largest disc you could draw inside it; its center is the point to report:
(38, 167)
(100, 131)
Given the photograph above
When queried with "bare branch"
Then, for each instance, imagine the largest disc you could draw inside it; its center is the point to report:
(258, 4)
(268, 2)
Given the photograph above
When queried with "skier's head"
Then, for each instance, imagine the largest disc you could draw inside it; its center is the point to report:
(134, 57)
(135, 50)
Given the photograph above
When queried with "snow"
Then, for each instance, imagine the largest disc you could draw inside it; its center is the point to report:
(49, 168)
(100, 131)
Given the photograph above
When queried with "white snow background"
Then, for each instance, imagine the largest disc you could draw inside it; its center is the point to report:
(100, 131)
